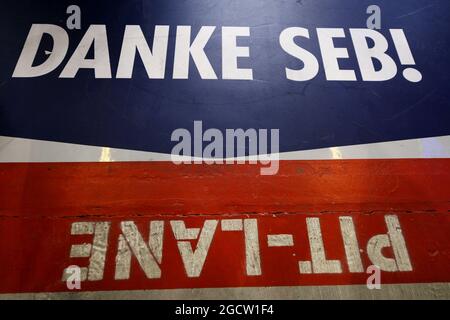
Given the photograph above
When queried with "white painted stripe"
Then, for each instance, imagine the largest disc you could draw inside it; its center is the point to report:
(231, 224)
(305, 267)
(252, 256)
(425, 148)
(387, 291)
(29, 150)
(352, 251)
(280, 240)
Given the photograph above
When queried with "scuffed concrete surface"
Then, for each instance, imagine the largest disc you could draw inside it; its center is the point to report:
(428, 291)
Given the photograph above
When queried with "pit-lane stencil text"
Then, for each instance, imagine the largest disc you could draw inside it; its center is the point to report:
(129, 248)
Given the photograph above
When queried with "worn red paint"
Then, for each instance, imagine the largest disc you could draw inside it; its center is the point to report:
(39, 202)
(71, 189)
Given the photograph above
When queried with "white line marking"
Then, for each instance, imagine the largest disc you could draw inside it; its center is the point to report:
(131, 241)
(351, 244)
(319, 261)
(31, 150)
(194, 260)
(388, 291)
(231, 225)
(181, 232)
(252, 256)
(80, 250)
(305, 267)
(280, 240)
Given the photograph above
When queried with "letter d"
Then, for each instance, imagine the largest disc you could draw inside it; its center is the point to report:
(25, 68)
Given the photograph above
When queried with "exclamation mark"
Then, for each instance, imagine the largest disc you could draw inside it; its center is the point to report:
(405, 55)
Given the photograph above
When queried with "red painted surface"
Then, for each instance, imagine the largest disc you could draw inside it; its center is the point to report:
(40, 201)
(73, 189)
